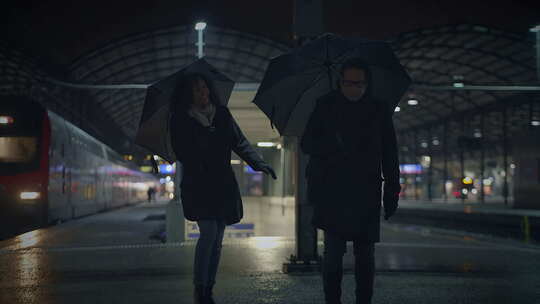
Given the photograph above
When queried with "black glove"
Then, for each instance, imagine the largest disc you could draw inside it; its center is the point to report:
(390, 208)
(390, 199)
(268, 170)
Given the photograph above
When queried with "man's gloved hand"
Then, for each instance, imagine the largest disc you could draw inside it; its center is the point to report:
(268, 170)
(390, 199)
(390, 208)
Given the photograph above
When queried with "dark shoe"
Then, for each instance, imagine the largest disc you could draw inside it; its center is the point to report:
(209, 294)
(199, 295)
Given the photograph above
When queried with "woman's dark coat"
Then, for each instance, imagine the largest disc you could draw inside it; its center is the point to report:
(348, 142)
(209, 189)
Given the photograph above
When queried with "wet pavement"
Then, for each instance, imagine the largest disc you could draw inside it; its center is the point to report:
(112, 258)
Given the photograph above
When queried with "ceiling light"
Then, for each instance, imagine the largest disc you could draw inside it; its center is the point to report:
(265, 144)
(199, 26)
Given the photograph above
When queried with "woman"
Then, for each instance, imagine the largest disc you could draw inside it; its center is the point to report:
(203, 134)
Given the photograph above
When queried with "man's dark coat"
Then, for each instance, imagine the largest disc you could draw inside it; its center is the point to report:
(209, 189)
(348, 144)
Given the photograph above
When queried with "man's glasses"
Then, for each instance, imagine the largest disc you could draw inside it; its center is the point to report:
(351, 83)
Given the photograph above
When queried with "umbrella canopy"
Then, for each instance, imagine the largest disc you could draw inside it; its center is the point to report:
(154, 127)
(295, 80)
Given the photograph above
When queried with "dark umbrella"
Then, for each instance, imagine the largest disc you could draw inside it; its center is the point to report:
(295, 80)
(154, 127)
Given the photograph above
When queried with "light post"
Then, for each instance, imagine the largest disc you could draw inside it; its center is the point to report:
(536, 30)
(199, 27)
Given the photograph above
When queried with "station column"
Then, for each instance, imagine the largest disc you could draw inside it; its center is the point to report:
(308, 24)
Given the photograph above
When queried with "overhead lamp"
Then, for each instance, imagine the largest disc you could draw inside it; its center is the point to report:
(412, 102)
(200, 26)
(535, 29)
(535, 123)
(265, 144)
(435, 142)
(458, 81)
(477, 134)
(397, 109)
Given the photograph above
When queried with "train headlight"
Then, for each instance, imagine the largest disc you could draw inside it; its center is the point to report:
(29, 195)
(6, 120)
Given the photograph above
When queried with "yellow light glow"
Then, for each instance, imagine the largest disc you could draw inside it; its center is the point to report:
(146, 169)
(467, 180)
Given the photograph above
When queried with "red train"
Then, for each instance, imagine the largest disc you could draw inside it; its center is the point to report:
(50, 170)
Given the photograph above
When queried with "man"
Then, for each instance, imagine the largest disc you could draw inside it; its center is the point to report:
(350, 139)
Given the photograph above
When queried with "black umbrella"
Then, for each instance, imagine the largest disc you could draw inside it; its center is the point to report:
(295, 80)
(154, 127)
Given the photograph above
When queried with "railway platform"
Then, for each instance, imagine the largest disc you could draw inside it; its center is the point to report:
(116, 257)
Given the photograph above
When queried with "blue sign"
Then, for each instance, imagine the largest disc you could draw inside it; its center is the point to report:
(166, 169)
(410, 169)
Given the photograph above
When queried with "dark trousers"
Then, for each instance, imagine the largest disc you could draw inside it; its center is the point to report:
(364, 269)
(208, 252)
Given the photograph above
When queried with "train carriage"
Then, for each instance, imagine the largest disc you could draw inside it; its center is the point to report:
(51, 170)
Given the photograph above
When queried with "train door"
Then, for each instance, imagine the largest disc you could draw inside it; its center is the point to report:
(59, 206)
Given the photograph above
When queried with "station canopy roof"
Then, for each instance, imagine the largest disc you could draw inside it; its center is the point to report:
(440, 56)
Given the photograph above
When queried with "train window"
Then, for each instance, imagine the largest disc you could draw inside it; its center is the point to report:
(17, 149)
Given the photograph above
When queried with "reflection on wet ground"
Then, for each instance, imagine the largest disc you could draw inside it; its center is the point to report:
(109, 258)
(263, 216)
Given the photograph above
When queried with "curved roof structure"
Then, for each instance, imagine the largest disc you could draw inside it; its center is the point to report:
(146, 58)
(470, 55)
(441, 56)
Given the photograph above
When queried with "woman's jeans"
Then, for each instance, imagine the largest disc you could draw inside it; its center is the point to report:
(364, 268)
(208, 251)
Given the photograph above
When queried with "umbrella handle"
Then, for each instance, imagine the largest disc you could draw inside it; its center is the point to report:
(272, 117)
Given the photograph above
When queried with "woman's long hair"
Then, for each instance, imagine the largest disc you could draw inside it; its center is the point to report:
(182, 97)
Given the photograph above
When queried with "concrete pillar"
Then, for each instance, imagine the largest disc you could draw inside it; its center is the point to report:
(462, 159)
(482, 158)
(308, 24)
(430, 169)
(505, 154)
(445, 159)
(415, 162)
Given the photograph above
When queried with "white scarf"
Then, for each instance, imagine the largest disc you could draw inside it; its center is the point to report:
(204, 116)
